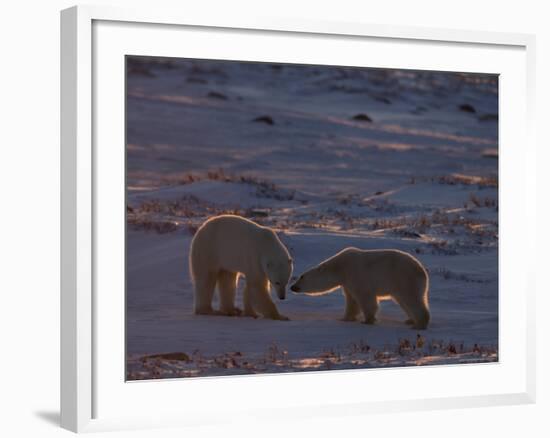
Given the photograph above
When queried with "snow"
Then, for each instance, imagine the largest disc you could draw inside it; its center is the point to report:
(421, 177)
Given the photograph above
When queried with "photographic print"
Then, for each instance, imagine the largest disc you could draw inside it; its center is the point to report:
(291, 218)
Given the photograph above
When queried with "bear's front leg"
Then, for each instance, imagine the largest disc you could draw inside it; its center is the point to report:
(247, 301)
(352, 308)
(262, 301)
(369, 306)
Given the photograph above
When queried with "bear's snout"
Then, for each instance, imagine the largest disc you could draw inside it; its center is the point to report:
(294, 288)
(281, 293)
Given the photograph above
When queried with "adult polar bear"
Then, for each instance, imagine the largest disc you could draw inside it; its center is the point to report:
(226, 246)
(368, 277)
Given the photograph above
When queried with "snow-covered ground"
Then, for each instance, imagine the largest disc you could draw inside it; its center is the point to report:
(292, 147)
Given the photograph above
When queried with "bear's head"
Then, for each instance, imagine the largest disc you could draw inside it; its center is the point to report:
(318, 280)
(277, 266)
(278, 273)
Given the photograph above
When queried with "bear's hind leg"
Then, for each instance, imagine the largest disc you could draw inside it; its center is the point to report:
(352, 308)
(247, 299)
(227, 287)
(416, 308)
(205, 285)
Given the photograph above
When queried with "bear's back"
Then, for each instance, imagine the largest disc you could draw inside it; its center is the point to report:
(229, 222)
(392, 259)
(232, 243)
(227, 231)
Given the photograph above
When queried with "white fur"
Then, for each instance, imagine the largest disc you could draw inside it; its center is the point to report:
(367, 277)
(226, 246)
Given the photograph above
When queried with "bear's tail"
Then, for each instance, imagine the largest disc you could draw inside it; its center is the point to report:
(426, 292)
(422, 318)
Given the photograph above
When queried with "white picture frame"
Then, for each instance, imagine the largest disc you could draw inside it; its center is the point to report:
(83, 370)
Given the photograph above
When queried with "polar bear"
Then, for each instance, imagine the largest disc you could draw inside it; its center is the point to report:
(367, 277)
(226, 246)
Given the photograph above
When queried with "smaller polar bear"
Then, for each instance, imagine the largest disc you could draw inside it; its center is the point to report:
(226, 246)
(367, 277)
